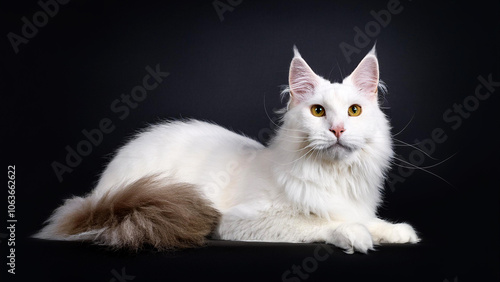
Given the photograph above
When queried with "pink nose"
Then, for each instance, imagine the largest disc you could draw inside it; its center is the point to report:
(338, 130)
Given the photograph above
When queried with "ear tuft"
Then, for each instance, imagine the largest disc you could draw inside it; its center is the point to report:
(373, 51)
(296, 53)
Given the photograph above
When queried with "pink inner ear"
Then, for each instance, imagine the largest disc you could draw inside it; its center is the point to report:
(365, 76)
(302, 80)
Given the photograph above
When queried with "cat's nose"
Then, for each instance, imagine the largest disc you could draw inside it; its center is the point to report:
(337, 131)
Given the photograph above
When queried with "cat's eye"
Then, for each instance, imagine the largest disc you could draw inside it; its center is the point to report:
(354, 110)
(317, 110)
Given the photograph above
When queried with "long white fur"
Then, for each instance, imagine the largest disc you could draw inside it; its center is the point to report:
(297, 189)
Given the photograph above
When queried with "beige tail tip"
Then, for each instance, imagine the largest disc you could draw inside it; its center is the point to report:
(150, 211)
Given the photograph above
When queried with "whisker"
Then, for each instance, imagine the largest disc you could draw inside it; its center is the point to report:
(405, 126)
(416, 148)
(412, 166)
(299, 150)
(436, 164)
(312, 149)
(277, 125)
(267, 113)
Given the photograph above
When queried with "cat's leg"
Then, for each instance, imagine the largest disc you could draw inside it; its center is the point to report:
(295, 228)
(386, 232)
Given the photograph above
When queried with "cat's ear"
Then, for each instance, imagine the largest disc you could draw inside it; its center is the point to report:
(366, 75)
(302, 80)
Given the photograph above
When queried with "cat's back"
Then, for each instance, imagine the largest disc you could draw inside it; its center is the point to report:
(183, 150)
(193, 134)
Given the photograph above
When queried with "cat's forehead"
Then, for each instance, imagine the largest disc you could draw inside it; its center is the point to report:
(337, 93)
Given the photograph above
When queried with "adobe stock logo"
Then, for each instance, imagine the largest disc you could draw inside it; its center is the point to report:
(225, 6)
(122, 108)
(121, 277)
(30, 28)
(363, 38)
(455, 117)
(309, 264)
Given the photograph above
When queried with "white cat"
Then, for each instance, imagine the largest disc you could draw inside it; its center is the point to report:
(319, 179)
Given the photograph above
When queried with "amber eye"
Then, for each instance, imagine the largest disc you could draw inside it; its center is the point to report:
(354, 110)
(317, 110)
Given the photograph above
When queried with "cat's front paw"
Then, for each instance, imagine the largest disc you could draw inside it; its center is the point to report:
(351, 237)
(394, 233)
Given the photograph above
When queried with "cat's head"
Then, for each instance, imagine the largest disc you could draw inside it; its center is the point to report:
(337, 119)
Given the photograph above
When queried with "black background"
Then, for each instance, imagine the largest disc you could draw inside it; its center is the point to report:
(66, 77)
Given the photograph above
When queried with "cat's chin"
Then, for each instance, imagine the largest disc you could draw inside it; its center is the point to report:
(339, 151)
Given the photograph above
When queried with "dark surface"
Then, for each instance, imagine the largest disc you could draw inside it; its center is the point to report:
(241, 261)
(65, 79)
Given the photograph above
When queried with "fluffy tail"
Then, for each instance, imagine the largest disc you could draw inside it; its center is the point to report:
(145, 212)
